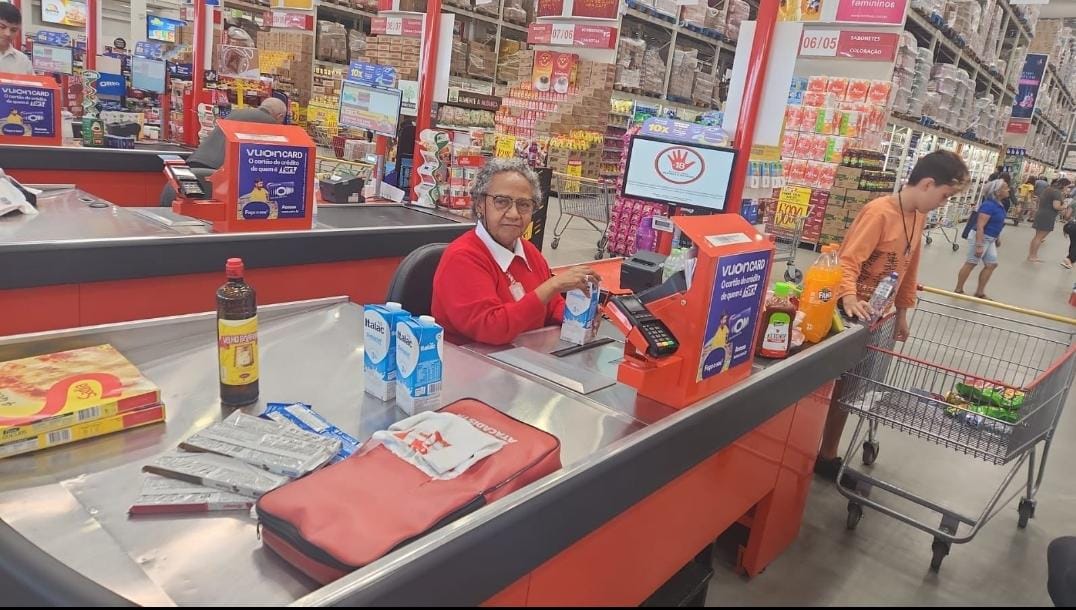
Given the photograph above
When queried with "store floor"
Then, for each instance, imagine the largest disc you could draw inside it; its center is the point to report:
(884, 561)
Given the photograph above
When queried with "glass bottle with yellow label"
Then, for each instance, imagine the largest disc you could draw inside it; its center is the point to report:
(237, 338)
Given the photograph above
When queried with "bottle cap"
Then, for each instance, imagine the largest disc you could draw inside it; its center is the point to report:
(234, 268)
(782, 289)
(426, 319)
(393, 305)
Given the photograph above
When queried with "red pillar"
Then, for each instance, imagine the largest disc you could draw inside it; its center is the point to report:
(93, 8)
(752, 99)
(426, 78)
(190, 120)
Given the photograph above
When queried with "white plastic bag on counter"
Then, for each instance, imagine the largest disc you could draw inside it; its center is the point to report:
(12, 199)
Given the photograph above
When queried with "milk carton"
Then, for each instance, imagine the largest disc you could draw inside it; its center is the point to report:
(379, 345)
(581, 317)
(420, 346)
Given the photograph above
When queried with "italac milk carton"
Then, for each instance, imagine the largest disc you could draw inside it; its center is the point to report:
(581, 317)
(420, 347)
(379, 345)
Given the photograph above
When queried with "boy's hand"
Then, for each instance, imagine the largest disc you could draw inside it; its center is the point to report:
(903, 328)
(854, 307)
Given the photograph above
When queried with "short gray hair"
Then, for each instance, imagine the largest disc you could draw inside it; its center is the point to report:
(992, 188)
(482, 180)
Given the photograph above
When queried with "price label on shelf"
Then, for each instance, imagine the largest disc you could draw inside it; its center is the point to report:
(793, 203)
(819, 43)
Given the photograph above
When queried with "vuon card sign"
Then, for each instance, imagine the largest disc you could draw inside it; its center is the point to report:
(266, 182)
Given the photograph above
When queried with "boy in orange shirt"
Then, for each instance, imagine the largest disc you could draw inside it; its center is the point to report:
(886, 237)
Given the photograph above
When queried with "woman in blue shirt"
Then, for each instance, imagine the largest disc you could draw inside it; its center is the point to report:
(984, 240)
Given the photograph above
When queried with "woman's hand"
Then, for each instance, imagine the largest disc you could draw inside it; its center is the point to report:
(980, 247)
(570, 279)
(854, 307)
(997, 242)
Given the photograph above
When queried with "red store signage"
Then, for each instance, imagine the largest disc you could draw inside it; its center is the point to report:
(550, 8)
(572, 35)
(1018, 126)
(598, 9)
(397, 26)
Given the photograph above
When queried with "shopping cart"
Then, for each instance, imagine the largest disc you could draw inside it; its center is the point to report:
(909, 386)
(590, 200)
(787, 229)
(943, 220)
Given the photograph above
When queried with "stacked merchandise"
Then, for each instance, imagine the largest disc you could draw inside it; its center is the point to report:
(826, 116)
(580, 149)
(400, 52)
(682, 78)
(629, 63)
(628, 215)
(705, 91)
(99, 391)
(964, 16)
(458, 65)
(286, 56)
(702, 16)
(481, 60)
(177, 108)
(950, 97)
(515, 11)
(738, 11)
(332, 42)
(229, 465)
(454, 116)
(560, 95)
(859, 181)
(508, 60)
(653, 73)
(988, 119)
(910, 76)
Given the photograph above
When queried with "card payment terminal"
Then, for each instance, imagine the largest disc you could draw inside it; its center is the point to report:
(182, 178)
(659, 339)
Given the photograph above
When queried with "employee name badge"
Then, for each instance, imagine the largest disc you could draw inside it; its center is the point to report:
(515, 288)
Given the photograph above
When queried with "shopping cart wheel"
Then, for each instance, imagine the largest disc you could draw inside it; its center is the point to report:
(930, 240)
(956, 247)
(870, 452)
(793, 275)
(855, 513)
(1027, 512)
(556, 242)
(941, 549)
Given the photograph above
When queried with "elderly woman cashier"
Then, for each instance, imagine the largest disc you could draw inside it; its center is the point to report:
(491, 284)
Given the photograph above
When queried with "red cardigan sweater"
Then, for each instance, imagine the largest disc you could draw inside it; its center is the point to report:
(472, 299)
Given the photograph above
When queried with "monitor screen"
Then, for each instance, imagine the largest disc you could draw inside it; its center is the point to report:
(371, 108)
(64, 12)
(52, 59)
(163, 29)
(678, 173)
(147, 74)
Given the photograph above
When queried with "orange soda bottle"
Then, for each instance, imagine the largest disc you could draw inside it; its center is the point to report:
(820, 294)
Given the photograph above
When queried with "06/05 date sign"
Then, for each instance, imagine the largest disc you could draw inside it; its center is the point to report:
(820, 43)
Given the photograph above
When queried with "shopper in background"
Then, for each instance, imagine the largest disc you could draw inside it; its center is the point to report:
(492, 284)
(1051, 202)
(12, 61)
(210, 153)
(984, 238)
(886, 237)
(1009, 201)
(1027, 210)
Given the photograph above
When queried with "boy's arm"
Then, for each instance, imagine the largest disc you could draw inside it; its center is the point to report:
(909, 285)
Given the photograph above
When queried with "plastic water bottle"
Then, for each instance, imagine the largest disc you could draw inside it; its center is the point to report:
(883, 295)
(673, 263)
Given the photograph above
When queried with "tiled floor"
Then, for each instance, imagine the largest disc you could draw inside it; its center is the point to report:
(884, 561)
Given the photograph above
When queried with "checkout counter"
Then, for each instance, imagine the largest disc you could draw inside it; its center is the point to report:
(648, 480)
(643, 488)
(83, 260)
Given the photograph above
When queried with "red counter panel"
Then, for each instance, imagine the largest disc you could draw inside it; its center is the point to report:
(137, 189)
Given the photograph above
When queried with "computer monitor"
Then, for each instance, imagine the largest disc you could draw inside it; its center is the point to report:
(148, 74)
(162, 28)
(675, 172)
(50, 59)
(371, 108)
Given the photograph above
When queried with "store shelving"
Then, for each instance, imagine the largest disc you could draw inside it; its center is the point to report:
(344, 10)
(987, 79)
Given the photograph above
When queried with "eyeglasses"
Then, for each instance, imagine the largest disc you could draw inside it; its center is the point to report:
(503, 202)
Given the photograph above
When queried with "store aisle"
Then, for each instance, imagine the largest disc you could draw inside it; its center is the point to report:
(884, 561)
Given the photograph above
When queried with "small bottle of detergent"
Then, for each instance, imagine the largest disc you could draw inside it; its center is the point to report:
(775, 338)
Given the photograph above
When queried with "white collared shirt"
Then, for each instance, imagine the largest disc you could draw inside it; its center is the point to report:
(14, 61)
(502, 255)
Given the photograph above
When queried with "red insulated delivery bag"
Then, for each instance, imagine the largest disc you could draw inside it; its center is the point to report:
(347, 515)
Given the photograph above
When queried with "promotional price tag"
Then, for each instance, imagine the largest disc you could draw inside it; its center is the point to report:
(819, 43)
(792, 204)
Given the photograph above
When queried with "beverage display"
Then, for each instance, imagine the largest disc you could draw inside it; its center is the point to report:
(237, 338)
(819, 294)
